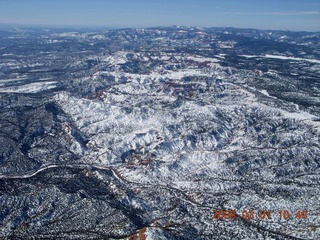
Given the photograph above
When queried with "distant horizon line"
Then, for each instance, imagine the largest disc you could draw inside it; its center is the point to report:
(84, 27)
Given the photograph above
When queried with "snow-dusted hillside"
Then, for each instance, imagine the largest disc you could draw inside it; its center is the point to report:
(147, 137)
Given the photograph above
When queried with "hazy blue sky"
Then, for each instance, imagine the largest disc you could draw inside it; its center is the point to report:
(263, 14)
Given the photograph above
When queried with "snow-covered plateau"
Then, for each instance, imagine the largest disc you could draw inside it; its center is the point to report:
(144, 133)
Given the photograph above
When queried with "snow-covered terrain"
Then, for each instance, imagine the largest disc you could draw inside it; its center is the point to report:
(283, 58)
(30, 88)
(143, 133)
